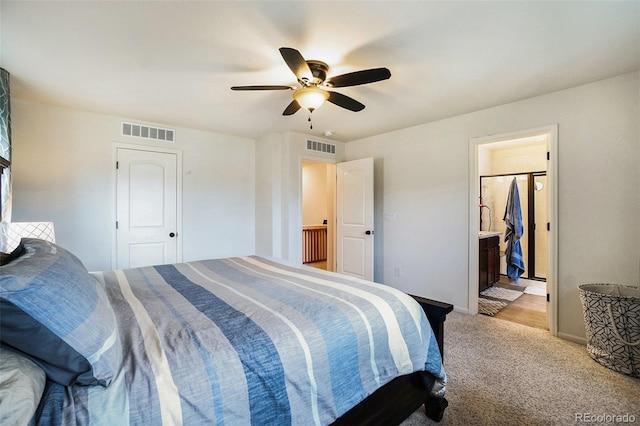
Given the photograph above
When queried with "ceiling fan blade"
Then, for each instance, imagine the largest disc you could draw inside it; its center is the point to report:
(345, 101)
(292, 108)
(262, 87)
(296, 63)
(359, 77)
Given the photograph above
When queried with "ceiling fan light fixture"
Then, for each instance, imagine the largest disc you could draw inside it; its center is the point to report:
(312, 79)
(310, 98)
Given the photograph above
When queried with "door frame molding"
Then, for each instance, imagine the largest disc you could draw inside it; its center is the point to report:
(114, 185)
(474, 216)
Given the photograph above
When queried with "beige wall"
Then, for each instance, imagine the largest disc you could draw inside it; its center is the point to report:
(422, 175)
(532, 158)
(314, 193)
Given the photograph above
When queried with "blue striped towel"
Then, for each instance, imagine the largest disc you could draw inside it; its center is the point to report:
(513, 233)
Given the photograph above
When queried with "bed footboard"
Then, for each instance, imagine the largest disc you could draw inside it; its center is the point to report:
(436, 314)
(394, 402)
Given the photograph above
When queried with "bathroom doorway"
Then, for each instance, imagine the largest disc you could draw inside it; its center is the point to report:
(529, 158)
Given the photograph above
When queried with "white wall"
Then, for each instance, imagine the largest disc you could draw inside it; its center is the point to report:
(279, 192)
(422, 177)
(268, 196)
(63, 171)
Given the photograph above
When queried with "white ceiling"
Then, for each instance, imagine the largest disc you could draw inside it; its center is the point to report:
(172, 63)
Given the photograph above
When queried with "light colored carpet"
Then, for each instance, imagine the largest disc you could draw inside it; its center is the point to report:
(502, 373)
(501, 293)
(489, 307)
(537, 289)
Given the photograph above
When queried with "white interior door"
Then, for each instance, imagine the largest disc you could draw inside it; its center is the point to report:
(354, 209)
(146, 208)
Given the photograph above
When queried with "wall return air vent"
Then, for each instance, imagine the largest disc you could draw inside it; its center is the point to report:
(148, 132)
(327, 148)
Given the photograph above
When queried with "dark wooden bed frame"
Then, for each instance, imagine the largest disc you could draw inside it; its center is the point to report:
(398, 399)
(394, 402)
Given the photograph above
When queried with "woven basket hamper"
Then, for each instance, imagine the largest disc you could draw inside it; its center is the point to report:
(612, 323)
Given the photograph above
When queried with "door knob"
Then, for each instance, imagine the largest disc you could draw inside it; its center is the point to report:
(369, 232)
(171, 234)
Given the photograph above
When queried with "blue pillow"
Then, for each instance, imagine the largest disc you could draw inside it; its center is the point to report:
(55, 312)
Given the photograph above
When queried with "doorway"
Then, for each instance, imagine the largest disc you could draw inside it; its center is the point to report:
(318, 214)
(530, 157)
(342, 195)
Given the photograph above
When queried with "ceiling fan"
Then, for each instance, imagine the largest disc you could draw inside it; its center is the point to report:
(314, 84)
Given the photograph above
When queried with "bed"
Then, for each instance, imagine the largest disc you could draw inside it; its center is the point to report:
(235, 341)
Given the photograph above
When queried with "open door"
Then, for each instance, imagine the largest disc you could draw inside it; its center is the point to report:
(354, 211)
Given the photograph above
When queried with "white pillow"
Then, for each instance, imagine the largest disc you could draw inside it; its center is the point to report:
(21, 386)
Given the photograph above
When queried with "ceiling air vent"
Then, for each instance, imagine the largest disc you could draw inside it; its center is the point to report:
(148, 132)
(327, 148)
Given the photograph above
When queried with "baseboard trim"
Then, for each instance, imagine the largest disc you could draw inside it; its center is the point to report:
(572, 338)
(461, 310)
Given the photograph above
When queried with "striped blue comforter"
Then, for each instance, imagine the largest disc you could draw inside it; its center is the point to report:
(248, 341)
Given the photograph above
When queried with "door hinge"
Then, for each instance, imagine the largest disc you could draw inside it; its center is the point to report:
(116, 224)
(117, 165)
(548, 155)
(548, 300)
(548, 226)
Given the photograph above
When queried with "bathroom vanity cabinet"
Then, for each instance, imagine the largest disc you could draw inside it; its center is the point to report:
(489, 261)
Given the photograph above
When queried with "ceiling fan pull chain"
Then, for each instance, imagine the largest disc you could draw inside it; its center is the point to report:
(310, 122)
